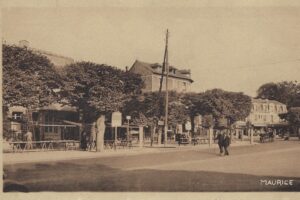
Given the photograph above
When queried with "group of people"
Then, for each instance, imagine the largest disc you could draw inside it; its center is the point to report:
(223, 142)
(87, 142)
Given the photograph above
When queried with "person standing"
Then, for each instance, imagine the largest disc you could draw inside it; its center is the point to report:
(28, 136)
(83, 142)
(226, 143)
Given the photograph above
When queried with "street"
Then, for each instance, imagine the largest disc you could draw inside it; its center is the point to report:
(247, 168)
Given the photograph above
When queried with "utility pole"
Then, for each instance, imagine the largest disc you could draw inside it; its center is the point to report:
(167, 94)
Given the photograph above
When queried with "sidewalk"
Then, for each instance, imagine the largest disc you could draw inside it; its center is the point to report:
(52, 156)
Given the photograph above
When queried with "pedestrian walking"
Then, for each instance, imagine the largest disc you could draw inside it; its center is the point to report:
(220, 138)
(226, 143)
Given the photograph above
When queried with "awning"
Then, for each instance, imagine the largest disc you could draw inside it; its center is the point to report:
(239, 124)
(280, 124)
(59, 107)
(259, 125)
(56, 125)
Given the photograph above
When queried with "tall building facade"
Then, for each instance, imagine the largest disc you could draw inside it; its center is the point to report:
(179, 80)
(266, 112)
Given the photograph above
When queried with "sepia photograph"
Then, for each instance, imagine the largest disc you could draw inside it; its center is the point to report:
(151, 96)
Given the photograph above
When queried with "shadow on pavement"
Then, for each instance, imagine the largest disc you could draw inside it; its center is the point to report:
(71, 176)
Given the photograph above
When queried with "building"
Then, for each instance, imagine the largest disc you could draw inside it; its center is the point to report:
(179, 79)
(59, 61)
(46, 123)
(266, 112)
(52, 122)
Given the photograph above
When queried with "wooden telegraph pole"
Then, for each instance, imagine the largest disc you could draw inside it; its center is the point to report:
(166, 66)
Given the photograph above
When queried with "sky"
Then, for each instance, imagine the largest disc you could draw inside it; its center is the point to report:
(235, 48)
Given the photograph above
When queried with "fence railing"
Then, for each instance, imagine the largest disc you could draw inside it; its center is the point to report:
(21, 146)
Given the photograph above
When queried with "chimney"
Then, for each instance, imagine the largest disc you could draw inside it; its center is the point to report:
(126, 68)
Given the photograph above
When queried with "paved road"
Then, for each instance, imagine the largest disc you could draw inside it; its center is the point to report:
(193, 170)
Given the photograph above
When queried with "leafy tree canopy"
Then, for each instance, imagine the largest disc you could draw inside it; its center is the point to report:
(151, 108)
(293, 116)
(29, 79)
(219, 103)
(284, 92)
(98, 88)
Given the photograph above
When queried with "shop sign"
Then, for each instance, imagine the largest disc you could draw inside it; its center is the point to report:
(116, 119)
(188, 126)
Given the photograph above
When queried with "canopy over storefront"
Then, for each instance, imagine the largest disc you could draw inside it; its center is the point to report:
(59, 107)
(240, 124)
(278, 125)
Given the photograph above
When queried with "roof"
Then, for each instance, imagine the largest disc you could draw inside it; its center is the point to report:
(266, 101)
(17, 109)
(156, 68)
(59, 107)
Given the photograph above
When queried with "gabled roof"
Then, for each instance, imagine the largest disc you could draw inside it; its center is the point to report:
(156, 68)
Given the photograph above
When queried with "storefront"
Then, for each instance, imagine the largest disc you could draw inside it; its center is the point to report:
(51, 123)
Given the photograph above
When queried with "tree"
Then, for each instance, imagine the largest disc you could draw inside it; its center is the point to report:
(220, 104)
(285, 92)
(293, 117)
(29, 80)
(152, 107)
(97, 88)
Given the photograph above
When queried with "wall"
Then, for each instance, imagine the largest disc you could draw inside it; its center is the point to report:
(59, 61)
(266, 112)
(176, 84)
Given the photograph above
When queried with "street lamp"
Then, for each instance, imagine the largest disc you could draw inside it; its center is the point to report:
(128, 118)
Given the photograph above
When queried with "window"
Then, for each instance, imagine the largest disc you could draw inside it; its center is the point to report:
(17, 115)
(35, 116)
(51, 129)
(272, 118)
(49, 119)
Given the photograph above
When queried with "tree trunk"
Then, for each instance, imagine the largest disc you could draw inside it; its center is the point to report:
(100, 133)
(159, 136)
(210, 132)
(141, 136)
(153, 129)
